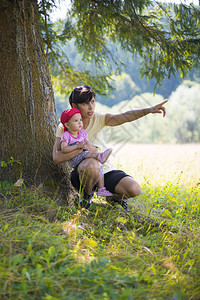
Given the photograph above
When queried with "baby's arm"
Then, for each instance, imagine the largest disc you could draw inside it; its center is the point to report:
(59, 156)
(65, 148)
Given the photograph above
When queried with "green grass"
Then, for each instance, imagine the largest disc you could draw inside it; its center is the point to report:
(42, 257)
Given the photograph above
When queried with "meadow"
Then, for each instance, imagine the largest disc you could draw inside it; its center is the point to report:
(51, 251)
(159, 164)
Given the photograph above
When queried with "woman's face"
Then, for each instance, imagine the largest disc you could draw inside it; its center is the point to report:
(87, 109)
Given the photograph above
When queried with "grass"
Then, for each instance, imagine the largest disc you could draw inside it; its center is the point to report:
(48, 251)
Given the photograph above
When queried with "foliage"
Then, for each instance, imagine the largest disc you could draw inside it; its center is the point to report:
(166, 36)
(124, 88)
(125, 84)
(160, 33)
(64, 75)
(40, 260)
(11, 162)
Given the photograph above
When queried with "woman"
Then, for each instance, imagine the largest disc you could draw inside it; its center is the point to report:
(120, 184)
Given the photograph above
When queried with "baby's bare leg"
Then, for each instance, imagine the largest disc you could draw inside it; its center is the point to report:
(101, 181)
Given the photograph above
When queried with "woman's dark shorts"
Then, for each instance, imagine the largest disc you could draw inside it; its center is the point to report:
(111, 179)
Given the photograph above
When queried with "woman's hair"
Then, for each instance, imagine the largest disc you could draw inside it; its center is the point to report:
(81, 94)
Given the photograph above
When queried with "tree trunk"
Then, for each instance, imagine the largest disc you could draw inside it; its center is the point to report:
(27, 113)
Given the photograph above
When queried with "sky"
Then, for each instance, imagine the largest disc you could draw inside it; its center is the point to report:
(60, 11)
(63, 5)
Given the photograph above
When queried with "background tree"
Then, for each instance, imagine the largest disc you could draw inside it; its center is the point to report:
(184, 113)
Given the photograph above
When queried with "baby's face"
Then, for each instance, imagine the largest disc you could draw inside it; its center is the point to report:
(75, 123)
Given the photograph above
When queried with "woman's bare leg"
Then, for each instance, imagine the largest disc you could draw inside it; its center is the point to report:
(92, 155)
(89, 173)
(127, 188)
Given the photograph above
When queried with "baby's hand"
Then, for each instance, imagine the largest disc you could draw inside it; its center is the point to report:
(83, 146)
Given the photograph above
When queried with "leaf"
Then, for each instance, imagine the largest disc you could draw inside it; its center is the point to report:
(39, 269)
(92, 243)
(28, 276)
(148, 250)
(49, 297)
(17, 259)
(24, 270)
(3, 164)
(52, 251)
(25, 273)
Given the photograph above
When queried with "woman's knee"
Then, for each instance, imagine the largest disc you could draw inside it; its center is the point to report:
(90, 167)
(134, 190)
(128, 187)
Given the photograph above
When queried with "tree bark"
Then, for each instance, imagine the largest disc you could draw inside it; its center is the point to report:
(27, 113)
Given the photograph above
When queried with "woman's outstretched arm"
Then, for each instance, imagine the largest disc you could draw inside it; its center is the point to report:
(132, 115)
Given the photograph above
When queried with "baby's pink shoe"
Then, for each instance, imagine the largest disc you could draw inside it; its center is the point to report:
(103, 192)
(102, 157)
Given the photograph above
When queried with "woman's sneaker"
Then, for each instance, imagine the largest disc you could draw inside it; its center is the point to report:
(103, 192)
(102, 157)
(85, 201)
(122, 203)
